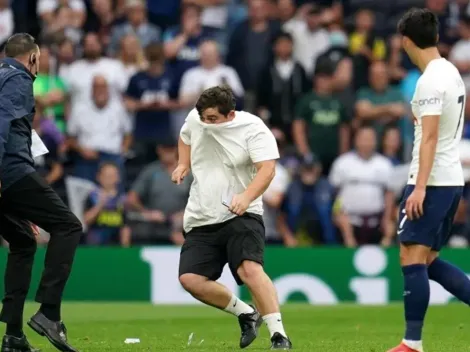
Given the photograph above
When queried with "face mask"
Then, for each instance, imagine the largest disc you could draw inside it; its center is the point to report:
(338, 39)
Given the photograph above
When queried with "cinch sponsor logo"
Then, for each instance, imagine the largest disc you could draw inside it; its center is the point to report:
(429, 101)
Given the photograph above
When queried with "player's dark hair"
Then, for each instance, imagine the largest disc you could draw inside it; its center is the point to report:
(220, 97)
(421, 26)
(20, 44)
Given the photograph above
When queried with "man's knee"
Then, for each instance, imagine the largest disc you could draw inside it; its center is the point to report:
(414, 254)
(192, 282)
(74, 226)
(249, 270)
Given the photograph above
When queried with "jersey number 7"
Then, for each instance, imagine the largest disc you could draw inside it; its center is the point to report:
(460, 101)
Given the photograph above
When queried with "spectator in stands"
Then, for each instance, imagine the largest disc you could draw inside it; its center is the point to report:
(101, 19)
(307, 205)
(460, 53)
(250, 48)
(365, 46)
(397, 71)
(99, 132)
(214, 17)
(131, 55)
(211, 72)
(391, 145)
(151, 97)
(7, 21)
(447, 34)
(273, 198)
(338, 58)
(310, 38)
(79, 76)
(364, 204)
(322, 125)
(379, 104)
(50, 91)
(104, 215)
(47, 11)
(182, 42)
(65, 56)
(136, 24)
(159, 202)
(287, 10)
(281, 85)
(63, 24)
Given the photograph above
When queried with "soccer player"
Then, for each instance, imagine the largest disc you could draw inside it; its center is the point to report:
(232, 156)
(435, 179)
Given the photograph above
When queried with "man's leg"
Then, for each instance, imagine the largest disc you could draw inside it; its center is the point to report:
(201, 263)
(416, 295)
(22, 247)
(32, 199)
(447, 275)
(418, 237)
(245, 256)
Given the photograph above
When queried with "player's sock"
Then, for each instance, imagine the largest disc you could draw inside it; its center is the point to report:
(416, 345)
(451, 278)
(51, 311)
(15, 330)
(416, 298)
(237, 306)
(274, 323)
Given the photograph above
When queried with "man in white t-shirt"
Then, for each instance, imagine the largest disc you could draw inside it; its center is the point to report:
(435, 180)
(232, 156)
(210, 73)
(100, 132)
(80, 74)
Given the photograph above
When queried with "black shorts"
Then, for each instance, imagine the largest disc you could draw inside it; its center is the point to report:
(208, 248)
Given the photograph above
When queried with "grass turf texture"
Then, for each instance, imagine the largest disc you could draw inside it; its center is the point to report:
(99, 327)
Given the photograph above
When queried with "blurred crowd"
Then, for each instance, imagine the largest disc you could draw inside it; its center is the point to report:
(329, 77)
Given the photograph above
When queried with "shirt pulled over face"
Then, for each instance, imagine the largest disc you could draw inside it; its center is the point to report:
(223, 158)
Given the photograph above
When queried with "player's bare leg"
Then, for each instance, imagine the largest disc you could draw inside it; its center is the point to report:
(265, 296)
(217, 295)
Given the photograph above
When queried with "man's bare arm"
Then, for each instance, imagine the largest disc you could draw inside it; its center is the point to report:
(264, 176)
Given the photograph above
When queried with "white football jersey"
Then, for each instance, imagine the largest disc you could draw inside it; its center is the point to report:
(440, 91)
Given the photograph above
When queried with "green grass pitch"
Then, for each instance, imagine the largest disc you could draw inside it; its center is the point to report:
(99, 327)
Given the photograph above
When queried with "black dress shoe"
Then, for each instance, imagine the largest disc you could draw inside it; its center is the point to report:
(249, 325)
(279, 342)
(17, 344)
(55, 331)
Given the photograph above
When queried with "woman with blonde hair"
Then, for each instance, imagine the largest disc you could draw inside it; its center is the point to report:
(131, 54)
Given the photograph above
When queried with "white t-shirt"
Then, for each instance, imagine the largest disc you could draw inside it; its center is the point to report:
(222, 162)
(79, 78)
(6, 24)
(44, 6)
(461, 53)
(440, 91)
(198, 79)
(362, 183)
(308, 45)
(101, 129)
(215, 16)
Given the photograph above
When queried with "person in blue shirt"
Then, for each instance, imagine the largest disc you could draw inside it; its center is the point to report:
(151, 96)
(104, 210)
(181, 43)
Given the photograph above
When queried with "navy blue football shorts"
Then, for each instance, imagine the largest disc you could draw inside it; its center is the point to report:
(434, 227)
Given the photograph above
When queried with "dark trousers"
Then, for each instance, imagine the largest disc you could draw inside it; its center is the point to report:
(31, 199)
